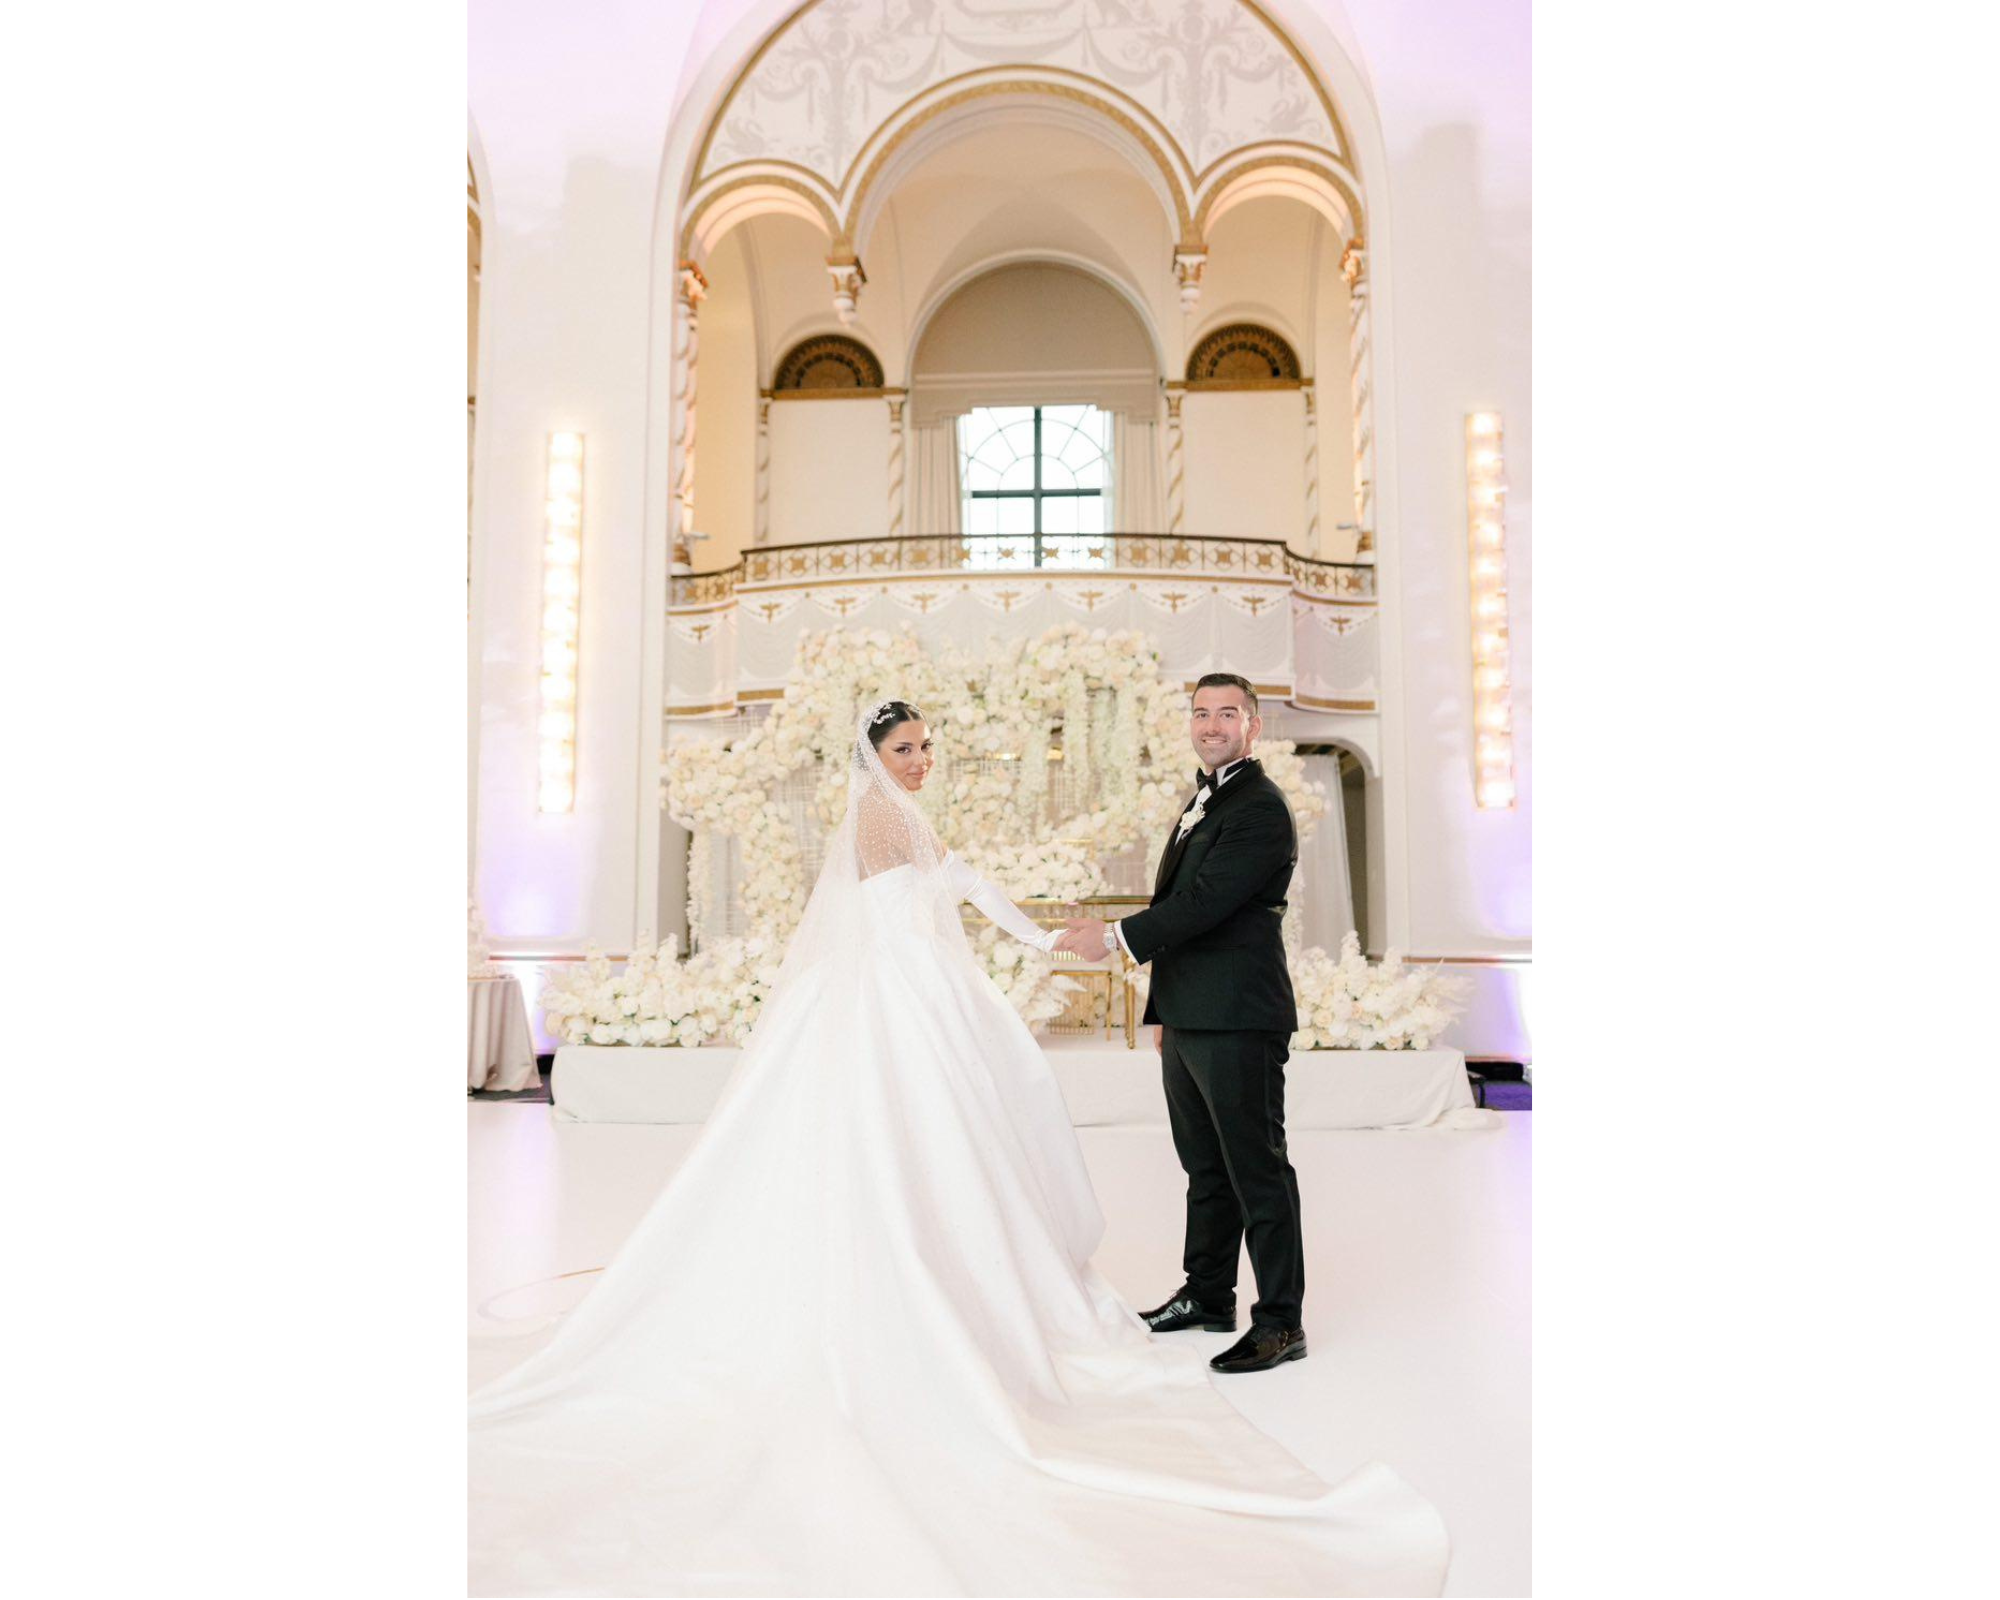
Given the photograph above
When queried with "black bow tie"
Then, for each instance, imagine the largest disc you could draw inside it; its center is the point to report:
(1204, 779)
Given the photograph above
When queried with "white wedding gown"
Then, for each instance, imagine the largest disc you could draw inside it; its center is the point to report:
(857, 1347)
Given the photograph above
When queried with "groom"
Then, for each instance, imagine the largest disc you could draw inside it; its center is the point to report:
(1223, 997)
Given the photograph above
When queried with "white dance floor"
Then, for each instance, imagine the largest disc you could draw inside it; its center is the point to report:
(1417, 1289)
(1103, 1083)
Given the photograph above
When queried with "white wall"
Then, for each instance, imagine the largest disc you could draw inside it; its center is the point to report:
(1245, 474)
(1451, 81)
(829, 469)
(571, 135)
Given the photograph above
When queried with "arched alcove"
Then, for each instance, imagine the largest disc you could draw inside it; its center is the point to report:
(1341, 866)
(1008, 100)
(1042, 359)
(1033, 332)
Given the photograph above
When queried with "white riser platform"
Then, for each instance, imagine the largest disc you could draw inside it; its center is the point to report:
(1104, 1085)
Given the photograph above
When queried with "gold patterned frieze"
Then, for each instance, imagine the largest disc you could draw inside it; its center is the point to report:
(980, 556)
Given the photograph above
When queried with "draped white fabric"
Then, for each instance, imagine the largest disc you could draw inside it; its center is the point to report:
(1135, 476)
(936, 500)
(1194, 622)
(500, 1051)
(1323, 884)
(857, 1346)
(1103, 1084)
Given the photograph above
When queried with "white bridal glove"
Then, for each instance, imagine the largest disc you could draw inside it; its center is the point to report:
(965, 884)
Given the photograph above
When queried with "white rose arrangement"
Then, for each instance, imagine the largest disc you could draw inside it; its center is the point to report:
(1348, 1004)
(1059, 869)
(478, 958)
(658, 999)
(1027, 978)
(1123, 731)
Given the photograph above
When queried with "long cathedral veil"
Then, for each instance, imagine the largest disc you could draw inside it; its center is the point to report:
(882, 831)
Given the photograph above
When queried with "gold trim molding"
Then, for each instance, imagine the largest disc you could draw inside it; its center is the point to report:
(832, 394)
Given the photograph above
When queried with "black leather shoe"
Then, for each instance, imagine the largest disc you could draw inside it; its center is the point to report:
(1184, 1311)
(1262, 1348)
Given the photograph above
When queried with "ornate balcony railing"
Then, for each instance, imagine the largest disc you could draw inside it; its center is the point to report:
(1147, 554)
(1299, 629)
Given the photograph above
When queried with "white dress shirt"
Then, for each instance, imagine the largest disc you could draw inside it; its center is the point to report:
(1218, 777)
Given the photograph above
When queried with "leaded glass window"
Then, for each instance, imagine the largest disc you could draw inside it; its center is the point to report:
(1036, 482)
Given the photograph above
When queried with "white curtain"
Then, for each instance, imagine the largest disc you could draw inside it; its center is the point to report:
(1135, 476)
(1322, 884)
(936, 502)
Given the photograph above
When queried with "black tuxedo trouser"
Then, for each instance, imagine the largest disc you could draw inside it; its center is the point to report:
(1226, 1101)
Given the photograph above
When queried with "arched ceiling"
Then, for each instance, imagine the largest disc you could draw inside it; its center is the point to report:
(1034, 316)
(1215, 76)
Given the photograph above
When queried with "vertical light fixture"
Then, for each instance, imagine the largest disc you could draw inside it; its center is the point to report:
(1486, 520)
(562, 599)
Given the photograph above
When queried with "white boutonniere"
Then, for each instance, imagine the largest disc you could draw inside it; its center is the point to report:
(1191, 817)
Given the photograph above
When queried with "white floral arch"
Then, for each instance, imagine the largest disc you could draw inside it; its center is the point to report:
(1123, 757)
(1038, 817)
(1057, 753)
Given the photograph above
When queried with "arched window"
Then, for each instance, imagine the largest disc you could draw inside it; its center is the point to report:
(1040, 474)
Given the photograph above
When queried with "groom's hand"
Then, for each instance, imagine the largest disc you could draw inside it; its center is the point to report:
(1086, 936)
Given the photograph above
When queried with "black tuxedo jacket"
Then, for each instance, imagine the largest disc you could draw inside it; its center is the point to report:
(1212, 932)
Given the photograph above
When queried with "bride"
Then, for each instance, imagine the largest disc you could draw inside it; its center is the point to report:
(856, 1347)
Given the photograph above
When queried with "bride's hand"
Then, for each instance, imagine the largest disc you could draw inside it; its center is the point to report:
(1086, 937)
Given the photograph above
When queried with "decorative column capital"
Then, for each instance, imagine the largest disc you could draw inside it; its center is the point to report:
(1187, 273)
(848, 277)
(1354, 264)
(693, 284)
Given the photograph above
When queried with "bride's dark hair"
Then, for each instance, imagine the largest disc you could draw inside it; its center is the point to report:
(892, 714)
